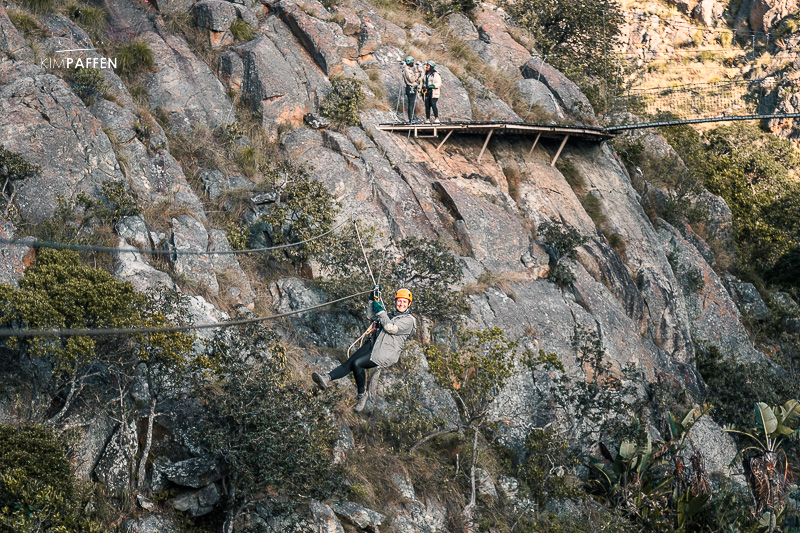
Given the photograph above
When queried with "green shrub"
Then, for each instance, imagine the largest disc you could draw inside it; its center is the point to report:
(725, 38)
(548, 467)
(786, 270)
(88, 83)
(616, 241)
(274, 435)
(133, 58)
(306, 209)
(237, 236)
(115, 203)
(697, 38)
(242, 31)
(695, 280)
(733, 387)
(561, 241)
(438, 9)
(561, 275)
(405, 420)
(343, 102)
(37, 489)
(14, 167)
(425, 267)
(593, 206)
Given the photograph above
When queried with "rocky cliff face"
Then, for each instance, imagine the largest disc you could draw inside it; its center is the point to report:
(631, 296)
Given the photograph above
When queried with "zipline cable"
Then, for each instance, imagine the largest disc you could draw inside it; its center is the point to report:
(90, 248)
(365, 253)
(19, 333)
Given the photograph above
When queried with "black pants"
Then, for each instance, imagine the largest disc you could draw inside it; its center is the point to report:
(411, 102)
(430, 103)
(357, 364)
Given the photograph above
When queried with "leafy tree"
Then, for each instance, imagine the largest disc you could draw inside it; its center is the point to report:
(57, 292)
(754, 172)
(343, 102)
(37, 489)
(429, 269)
(578, 38)
(305, 209)
(272, 434)
(423, 266)
(474, 368)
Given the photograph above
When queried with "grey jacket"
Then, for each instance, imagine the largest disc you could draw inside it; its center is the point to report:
(386, 350)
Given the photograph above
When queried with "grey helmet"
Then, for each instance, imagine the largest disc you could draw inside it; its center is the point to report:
(409, 60)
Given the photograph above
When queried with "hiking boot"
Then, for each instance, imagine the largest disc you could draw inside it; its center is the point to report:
(322, 380)
(361, 402)
(436, 121)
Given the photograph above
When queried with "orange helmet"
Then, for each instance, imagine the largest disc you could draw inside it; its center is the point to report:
(404, 293)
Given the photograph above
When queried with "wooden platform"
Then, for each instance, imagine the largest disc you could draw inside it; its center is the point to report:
(488, 129)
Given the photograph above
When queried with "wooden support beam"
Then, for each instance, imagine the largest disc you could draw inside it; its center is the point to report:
(535, 142)
(563, 142)
(485, 143)
(444, 140)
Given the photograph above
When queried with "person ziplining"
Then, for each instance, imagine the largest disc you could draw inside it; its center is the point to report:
(384, 340)
(381, 342)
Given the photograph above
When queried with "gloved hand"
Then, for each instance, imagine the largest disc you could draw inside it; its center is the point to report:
(377, 306)
(376, 292)
(431, 86)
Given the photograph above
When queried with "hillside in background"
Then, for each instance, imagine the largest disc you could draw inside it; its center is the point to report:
(590, 315)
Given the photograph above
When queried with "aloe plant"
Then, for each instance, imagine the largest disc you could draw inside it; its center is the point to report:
(650, 482)
(769, 468)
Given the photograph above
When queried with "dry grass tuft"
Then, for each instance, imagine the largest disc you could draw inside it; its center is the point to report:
(159, 215)
(514, 179)
(499, 280)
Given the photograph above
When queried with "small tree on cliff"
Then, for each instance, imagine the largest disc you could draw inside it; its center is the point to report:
(474, 367)
(273, 435)
(561, 242)
(426, 266)
(58, 293)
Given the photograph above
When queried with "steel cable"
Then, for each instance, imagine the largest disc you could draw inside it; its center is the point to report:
(20, 333)
(86, 247)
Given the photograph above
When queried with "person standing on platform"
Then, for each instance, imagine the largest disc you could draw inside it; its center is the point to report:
(411, 79)
(429, 85)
